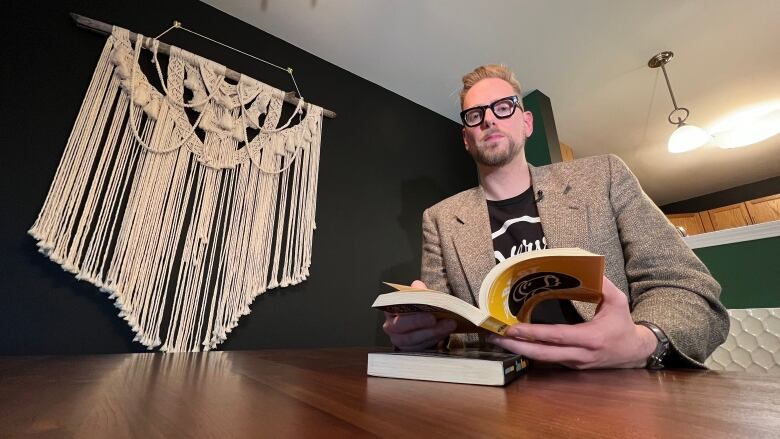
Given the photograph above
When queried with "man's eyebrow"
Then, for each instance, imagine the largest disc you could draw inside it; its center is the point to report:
(486, 103)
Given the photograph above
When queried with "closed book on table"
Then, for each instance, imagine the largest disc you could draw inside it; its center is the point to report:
(458, 366)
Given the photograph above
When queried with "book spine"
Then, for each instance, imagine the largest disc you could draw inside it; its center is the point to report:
(513, 368)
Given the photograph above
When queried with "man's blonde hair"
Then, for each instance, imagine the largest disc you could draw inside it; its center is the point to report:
(490, 71)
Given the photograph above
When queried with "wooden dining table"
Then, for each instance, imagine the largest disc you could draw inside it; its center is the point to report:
(316, 393)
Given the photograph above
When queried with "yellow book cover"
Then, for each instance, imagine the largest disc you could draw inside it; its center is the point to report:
(510, 291)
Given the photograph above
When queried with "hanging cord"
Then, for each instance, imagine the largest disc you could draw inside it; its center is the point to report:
(289, 70)
(298, 111)
(220, 77)
(136, 54)
(214, 88)
(177, 25)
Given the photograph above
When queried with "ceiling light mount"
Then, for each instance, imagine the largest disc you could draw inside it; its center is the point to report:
(660, 60)
(685, 137)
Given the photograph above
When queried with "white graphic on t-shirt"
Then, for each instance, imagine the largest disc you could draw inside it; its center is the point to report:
(524, 247)
(509, 222)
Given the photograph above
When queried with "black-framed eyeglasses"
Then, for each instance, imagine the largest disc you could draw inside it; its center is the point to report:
(502, 109)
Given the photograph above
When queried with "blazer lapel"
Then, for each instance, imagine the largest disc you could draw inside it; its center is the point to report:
(473, 241)
(564, 218)
(563, 215)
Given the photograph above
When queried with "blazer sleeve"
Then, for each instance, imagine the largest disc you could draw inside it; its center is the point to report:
(668, 285)
(432, 271)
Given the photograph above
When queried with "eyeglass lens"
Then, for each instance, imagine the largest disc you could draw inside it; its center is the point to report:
(502, 109)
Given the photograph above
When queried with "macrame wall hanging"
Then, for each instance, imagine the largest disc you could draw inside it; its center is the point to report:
(183, 222)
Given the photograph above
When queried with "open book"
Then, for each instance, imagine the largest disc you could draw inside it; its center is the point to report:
(510, 291)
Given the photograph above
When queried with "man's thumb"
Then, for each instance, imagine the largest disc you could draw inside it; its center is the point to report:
(611, 296)
(419, 284)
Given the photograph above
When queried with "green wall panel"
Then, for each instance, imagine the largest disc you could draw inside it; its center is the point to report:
(748, 271)
(543, 147)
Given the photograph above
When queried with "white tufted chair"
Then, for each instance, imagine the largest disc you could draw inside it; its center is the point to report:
(753, 344)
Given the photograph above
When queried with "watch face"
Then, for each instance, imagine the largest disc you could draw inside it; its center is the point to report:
(654, 363)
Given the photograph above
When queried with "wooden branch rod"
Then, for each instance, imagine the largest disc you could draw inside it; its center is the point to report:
(105, 29)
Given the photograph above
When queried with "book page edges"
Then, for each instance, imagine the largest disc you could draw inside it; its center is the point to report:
(453, 370)
(442, 306)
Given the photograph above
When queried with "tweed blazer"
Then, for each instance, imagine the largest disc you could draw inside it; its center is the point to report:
(594, 203)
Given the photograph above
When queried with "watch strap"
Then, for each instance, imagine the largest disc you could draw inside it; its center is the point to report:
(655, 360)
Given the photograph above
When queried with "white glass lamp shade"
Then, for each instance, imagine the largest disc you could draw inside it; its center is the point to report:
(687, 138)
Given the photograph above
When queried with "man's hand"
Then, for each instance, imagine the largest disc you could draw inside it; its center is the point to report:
(610, 340)
(416, 331)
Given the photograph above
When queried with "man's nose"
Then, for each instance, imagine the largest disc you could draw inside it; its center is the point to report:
(489, 119)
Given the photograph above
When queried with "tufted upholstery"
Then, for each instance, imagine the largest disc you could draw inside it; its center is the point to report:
(753, 343)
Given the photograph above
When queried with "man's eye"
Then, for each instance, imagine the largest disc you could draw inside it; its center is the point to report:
(473, 116)
(503, 107)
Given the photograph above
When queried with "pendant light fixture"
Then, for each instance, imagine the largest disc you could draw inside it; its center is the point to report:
(686, 137)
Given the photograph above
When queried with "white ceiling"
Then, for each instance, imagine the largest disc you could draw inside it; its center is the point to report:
(590, 57)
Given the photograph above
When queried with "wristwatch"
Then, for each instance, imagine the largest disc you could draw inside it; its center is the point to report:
(655, 360)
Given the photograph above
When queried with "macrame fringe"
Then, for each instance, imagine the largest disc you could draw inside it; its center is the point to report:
(182, 233)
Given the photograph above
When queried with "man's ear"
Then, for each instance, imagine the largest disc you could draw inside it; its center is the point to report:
(528, 120)
(465, 143)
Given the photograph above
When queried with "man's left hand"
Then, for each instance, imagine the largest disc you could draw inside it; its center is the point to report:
(610, 340)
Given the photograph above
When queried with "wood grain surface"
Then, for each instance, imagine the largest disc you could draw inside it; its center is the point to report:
(326, 393)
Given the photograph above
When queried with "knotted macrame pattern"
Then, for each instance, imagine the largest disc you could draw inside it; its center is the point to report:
(183, 204)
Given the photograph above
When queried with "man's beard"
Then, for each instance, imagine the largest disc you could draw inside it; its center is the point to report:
(496, 157)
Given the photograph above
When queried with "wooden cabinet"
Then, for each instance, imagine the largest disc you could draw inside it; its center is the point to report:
(691, 222)
(765, 209)
(566, 153)
(760, 210)
(726, 217)
(706, 222)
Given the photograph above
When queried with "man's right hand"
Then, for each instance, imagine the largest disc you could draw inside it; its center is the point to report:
(416, 331)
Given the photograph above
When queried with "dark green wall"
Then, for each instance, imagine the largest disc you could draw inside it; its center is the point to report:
(543, 147)
(748, 271)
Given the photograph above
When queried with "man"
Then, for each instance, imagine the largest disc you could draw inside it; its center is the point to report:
(660, 305)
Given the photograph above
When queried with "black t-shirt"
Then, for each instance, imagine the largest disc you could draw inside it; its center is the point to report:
(516, 229)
